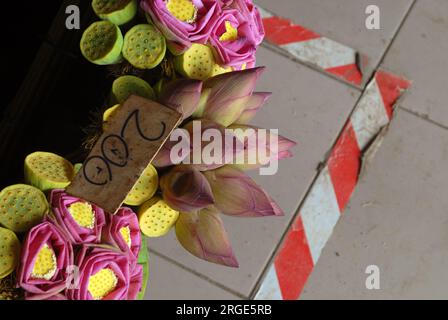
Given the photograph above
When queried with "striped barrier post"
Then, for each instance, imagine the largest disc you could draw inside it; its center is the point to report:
(331, 192)
(313, 49)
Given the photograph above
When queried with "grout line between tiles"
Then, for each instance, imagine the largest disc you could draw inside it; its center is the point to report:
(424, 117)
(362, 90)
(302, 201)
(197, 274)
(392, 41)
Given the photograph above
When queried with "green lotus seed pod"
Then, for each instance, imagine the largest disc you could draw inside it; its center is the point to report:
(144, 46)
(145, 188)
(102, 42)
(9, 252)
(143, 260)
(126, 86)
(118, 12)
(22, 207)
(48, 171)
(109, 112)
(197, 63)
(77, 167)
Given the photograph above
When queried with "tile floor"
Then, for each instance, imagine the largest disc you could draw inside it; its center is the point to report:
(396, 218)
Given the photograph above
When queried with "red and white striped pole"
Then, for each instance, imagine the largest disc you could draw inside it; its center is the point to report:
(313, 49)
(331, 192)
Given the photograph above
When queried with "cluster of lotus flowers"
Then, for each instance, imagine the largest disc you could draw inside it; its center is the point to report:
(204, 38)
(232, 27)
(81, 253)
(202, 192)
(221, 98)
(75, 250)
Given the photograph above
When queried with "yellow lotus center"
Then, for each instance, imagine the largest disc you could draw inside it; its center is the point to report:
(83, 214)
(126, 235)
(231, 33)
(102, 283)
(183, 10)
(45, 264)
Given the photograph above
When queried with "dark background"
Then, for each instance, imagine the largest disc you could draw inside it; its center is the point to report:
(49, 90)
(26, 27)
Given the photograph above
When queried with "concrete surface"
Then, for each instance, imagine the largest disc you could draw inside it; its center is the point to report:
(344, 21)
(420, 54)
(396, 219)
(168, 281)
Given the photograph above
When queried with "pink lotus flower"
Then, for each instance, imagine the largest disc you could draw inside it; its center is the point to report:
(181, 28)
(46, 254)
(211, 131)
(186, 189)
(81, 221)
(202, 234)
(268, 147)
(234, 39)
(228, 96)
(56, 297)
(123, 231)
(253, 106)
(105, 274)
(236, 194)
(182, 95)
(136, 283)
(252, 17)
(164, 157)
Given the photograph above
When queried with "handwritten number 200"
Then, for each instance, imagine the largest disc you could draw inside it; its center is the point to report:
(115, 151)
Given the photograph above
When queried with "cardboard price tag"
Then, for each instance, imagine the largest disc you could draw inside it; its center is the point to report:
(133, 137)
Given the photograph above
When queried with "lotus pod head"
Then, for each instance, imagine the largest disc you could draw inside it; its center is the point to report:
(102, 43)
(118, 12)
(48, 171)
(145, 188)
(9, 251)
(23, 207)
(125, 86)
(198, 62)
(144, 46)
(156, 217)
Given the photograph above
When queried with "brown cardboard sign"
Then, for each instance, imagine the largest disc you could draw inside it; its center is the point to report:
(133, 137)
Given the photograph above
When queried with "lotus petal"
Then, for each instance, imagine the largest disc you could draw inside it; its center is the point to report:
(202, 234)
(236, 194)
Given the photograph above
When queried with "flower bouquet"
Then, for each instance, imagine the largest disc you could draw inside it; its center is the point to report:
(197, 57)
